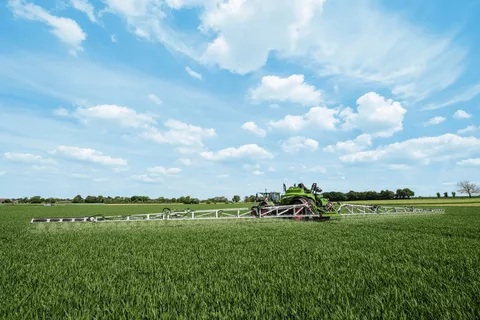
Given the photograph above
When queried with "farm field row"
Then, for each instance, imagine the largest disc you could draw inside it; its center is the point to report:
(416, 201)
(401, 266)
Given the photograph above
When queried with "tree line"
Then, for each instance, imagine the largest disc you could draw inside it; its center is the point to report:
(464, 187)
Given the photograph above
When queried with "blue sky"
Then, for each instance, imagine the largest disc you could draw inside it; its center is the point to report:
(210, 97)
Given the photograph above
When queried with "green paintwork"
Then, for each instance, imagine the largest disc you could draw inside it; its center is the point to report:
(313, 195)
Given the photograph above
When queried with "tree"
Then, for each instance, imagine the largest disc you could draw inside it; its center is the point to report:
(36, 199)
(236, 198)
(453, 194)
(78, 199)
(468, 188)
(445, 194)
(400, 194)
(438, 194)
(408, 193)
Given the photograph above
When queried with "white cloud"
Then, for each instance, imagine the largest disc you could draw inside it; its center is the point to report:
(223, 176)
(79, 176)
(98, 180)
(249, 167)
(3, 172)
(399, 166)
(65, 29)
(468, 129)
(27, 158)
(317, 117)
(154, 98)
(271, 169)
(467, 95)
(304, 168)
(156, 174)
(375, 116)
(146, 19)
(253, 128)
(123, 116)
(295, 144)
(159, 170)
(244, 151)
(240, 36)
(358, 144)
(86, 7)
(113, 38)
(61, 112)
(435, 121)
(460, 114)
(293, 89)
(180, 133)
(411, 60)
(185, 162)
(193, 74)
(258, 173)
(89, 155)
(422, 150)
(469, 162)
(146, 178)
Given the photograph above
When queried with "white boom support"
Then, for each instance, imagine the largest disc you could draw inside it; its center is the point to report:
(355, 209)
(283, 211)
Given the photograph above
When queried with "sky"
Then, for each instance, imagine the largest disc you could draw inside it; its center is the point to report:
(222, 97)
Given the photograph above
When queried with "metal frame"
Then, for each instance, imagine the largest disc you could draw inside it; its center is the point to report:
(214, 214)
(356, 209)
(282, 211)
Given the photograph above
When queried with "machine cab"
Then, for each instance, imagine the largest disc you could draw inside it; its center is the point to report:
(269, 196)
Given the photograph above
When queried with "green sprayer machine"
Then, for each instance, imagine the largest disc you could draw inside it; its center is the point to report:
(297, 203)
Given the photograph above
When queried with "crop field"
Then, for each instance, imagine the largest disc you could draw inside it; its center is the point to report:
(388, 267)
(459, 201)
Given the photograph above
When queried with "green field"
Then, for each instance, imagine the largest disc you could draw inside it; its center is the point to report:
(460, 201)
(388, 267)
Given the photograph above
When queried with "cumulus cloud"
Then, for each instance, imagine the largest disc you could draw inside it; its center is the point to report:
(27, 158)
(123, 116)
(185, 161)
(253, 128)
(89, 155)
(469, 162)
(468, 129)
(65, 29)
(193, 74)
(360, 143)
(422, 150)
(61, 112)
(180, 133)
(240, 36)
(244, 151)
(146, 178)
(460, 114)
(290, 89)
(375, 115)
(435, 121)
(314, 33)
(154, 98)
(295, 144)
(320, 118)
(160, 170)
